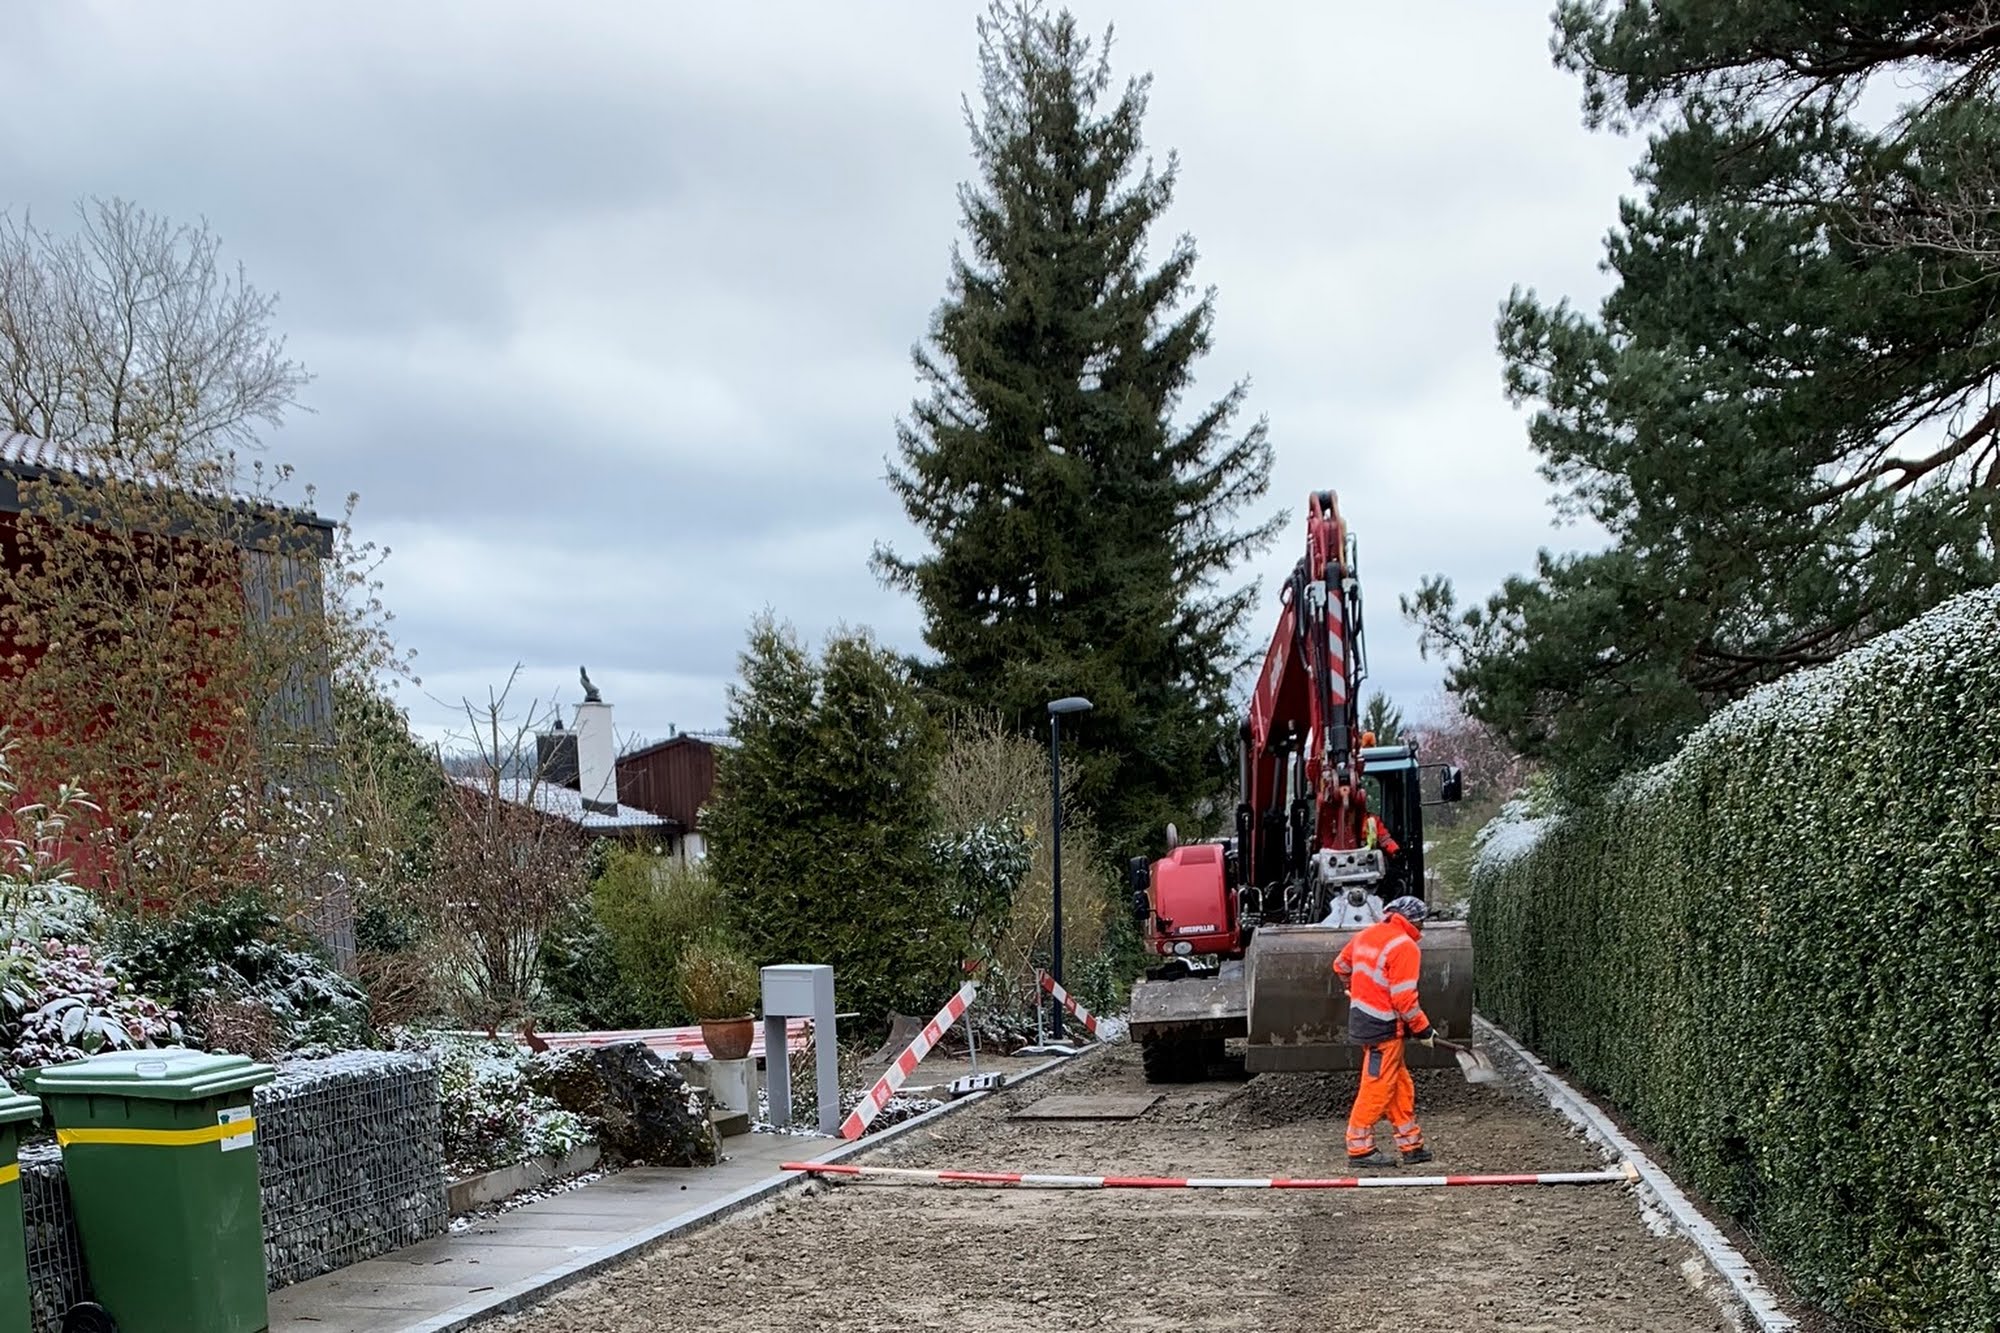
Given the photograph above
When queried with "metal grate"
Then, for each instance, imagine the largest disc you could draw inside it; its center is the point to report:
(350, 1155)
(56, 1279)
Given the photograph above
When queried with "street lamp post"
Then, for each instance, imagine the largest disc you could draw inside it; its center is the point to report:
(1058, 710)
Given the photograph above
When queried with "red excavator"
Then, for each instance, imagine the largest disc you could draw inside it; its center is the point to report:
(1245, 929)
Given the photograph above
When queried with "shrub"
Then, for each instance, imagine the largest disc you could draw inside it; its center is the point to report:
(993, 780)
(1775, 952)
(491, 1117)
(650, 909)
(822, 818)
(717, 982)
(238, 951)
(60, 1003)
(583, 988)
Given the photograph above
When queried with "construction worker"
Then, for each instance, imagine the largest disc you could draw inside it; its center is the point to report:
(1379, 969)
(1375, 834)
(1347, 802)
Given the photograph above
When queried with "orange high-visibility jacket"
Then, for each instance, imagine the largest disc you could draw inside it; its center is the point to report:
(1375, 833)
(1380, 967)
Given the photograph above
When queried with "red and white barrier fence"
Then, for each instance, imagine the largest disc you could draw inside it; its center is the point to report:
(885, 1086)
(1624, 1173)
(668, 1043)
(1068, 1001)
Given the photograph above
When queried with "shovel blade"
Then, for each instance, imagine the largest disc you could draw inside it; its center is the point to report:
(1476, 1067)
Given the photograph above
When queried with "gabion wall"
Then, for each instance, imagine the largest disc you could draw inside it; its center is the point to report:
(56, 1279)
(350, 1158)
(350, 1152)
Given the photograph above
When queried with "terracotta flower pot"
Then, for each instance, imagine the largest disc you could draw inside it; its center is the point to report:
(729, 1038)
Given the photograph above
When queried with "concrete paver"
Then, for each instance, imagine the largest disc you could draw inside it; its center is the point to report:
(429, 1282)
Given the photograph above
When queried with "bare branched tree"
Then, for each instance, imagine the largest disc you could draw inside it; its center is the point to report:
(128, 323)
(506, 872)
(170, 624)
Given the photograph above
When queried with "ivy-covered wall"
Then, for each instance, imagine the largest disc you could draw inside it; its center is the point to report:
(1779, 954)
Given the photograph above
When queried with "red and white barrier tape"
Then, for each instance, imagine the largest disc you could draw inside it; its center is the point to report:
(1068, 1001)
(885, 1086)
(668, 1043)
(1623, 1174)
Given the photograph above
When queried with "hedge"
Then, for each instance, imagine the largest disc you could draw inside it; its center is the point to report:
(1778, 953)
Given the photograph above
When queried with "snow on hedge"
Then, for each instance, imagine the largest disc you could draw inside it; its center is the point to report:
(1774, 952)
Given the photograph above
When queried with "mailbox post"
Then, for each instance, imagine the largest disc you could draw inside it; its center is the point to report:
(801, 991)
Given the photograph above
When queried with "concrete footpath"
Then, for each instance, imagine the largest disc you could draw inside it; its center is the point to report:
(444, 1284)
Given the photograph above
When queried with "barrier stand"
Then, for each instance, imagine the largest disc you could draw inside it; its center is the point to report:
(1068, 1001)
(885, 1086)
(1043, 1046)
(1623, 1174)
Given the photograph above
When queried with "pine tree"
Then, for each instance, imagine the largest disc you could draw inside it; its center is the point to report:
(1079, 532)
(821, 824)
(1784, 413)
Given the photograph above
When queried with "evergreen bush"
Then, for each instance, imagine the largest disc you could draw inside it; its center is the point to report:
(1777, 953)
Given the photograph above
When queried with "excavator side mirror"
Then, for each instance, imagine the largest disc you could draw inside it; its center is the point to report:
(1452, 787)
(1139, 875)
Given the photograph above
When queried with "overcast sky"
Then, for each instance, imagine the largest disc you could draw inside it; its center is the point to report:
(610, 305)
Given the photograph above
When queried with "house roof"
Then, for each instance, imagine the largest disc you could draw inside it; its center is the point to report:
(30, 458)
(713, 740)
(567, 803)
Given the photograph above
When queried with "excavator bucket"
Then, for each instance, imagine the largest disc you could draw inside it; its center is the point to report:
(1298, 1012)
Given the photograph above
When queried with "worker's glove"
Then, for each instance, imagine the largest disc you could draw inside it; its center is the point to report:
(1428, 1037)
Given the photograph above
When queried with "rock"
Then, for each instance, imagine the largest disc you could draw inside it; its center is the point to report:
(641, 1109)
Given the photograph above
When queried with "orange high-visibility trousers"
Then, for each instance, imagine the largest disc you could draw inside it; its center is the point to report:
(1386, 1093)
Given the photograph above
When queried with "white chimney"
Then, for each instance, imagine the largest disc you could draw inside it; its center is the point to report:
(596, 755)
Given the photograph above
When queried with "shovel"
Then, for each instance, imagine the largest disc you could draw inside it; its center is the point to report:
(1475, 1064)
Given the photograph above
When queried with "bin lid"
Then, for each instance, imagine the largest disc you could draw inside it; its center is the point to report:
(171, 1074)
(17, 1106)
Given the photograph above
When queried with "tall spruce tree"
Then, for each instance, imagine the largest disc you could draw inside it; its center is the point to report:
(1080, 533)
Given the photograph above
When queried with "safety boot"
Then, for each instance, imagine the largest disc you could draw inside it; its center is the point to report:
(1416, 1157)
(1374, 1158)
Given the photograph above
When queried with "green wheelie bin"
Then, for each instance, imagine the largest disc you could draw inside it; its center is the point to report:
(160, 1148)
(17, 1112)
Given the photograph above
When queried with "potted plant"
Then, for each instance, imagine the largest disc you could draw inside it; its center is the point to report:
(719, 987)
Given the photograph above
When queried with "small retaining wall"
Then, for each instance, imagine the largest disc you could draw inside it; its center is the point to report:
(349, 1156)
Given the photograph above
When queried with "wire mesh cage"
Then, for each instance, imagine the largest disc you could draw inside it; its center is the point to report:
(56, 1278)
(350, 1155)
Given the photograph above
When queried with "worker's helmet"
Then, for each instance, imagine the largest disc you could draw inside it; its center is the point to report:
(1411, 909)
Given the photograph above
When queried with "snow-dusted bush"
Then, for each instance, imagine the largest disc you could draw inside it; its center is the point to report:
(1776, 952)
(491, 1116)
(59, 1003)
(220, 957)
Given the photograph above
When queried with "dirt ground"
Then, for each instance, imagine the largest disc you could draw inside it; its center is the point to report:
(869, 1256)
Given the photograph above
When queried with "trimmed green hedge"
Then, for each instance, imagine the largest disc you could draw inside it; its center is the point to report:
(1779, 954)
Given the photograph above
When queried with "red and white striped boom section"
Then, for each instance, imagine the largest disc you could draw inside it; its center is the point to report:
(885, 1086)
(1623, 1173)
(1068, 1001)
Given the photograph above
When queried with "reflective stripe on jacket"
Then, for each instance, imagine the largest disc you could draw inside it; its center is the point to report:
(1380, 967)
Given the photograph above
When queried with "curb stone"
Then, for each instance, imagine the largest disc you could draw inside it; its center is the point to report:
(520, 1296)
(1655, 1185)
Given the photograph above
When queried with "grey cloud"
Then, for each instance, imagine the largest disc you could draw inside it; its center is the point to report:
(611, 306)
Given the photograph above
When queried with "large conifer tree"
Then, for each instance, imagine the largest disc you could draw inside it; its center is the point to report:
(1080, 533)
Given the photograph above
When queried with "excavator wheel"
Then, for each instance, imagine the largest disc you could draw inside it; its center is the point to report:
(1179, 1059)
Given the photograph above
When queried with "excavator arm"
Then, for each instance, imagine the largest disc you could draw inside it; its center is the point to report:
(1237, 927)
